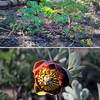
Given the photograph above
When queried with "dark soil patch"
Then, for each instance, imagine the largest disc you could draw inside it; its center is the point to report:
(29, 41)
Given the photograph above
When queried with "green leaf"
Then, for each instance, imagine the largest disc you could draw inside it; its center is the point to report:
(74, 60)
(5, 55)
(37, 19)
(66, 31)
(43, 20)
(28, 10)
(32, 3)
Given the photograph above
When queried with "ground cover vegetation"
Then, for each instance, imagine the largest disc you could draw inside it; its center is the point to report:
(64, 23)
(17, 81)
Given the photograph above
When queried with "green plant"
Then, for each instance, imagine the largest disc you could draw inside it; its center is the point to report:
(58, 12)
(75, 92)
(16, 67)
(4, 96)
(72, 7)
(66, 31)
(15, 74)
(31, 19)
(89, 42)
(93, 59)
(74, 64)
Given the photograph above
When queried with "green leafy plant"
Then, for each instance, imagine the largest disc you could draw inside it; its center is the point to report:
(58, 12)
(30, 15)
(66, 31)
(16, 67)
(74, 64)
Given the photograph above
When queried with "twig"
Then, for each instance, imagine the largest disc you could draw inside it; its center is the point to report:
(49, 55)
(98, 85)
(57, 97)
(11, 32)
(18, 93)
(5, 29)
(13, 91)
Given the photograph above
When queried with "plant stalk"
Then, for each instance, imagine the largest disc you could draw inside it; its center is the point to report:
(57, 97)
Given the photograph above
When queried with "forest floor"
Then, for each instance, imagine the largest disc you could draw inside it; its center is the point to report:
(90, 23)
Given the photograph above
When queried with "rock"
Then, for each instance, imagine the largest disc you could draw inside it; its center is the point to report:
(4, 3)
(12, 3)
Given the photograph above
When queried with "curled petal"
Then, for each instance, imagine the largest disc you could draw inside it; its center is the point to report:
(50, 77)
(36, 66)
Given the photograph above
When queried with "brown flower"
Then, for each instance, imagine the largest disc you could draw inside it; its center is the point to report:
(50, 77)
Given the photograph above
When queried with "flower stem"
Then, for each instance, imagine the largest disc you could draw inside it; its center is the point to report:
(57, 97)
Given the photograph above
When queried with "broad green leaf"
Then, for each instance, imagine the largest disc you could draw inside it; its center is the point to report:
(5, 55)
(32, 3)
(66, 31)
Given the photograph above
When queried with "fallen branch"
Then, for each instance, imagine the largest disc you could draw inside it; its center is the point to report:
(5, 29)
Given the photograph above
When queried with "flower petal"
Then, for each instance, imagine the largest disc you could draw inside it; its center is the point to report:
(37, 64)
(38, 91)
(41, 93)
(36, 88)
